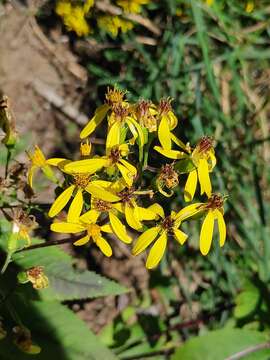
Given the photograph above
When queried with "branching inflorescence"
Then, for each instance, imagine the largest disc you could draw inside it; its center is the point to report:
(108, 194)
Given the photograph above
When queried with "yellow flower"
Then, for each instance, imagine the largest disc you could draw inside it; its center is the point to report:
(145, 112)
(37, 277)
(113, 161)
(132, 6)
(203, 159)
(81, 183)
(214, 211)
(23, 224)
(74, 16)
(167, 122)
(169, 226)
(209, 2)
(112, 24)
(39, 161)
(86, 223)
(85, 148)
(127, 204)
(167, 178)
(118, 111)
(250, 6)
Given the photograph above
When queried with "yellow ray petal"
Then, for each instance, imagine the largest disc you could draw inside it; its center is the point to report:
(178, 142)
(113, 137)
(67, 228)
(164, 134)
(180, 236)
(100, 193)
(30, 175)
(129, 166)
(95, 121)
(75, 208)
(57, 161)
(157, 251)
(127, 175)
(106, 228)
(204, 179)
(119, 229)
(145, 240)
(90, 217)
(124, 149)
(188, 211)
(157, 209)
(191, 185)
(206, 234)
(172, 120)
(119, 207)
(171, 154)
(139, 130)
(82, 241)
(145, 214)
(61, 201)
(104, 246)
(132, 218)
(221, 227)
(89, 166)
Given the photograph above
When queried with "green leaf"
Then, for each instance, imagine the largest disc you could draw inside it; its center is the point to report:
(220, 344)
(58, 331)
(65, 282)
(246, 301)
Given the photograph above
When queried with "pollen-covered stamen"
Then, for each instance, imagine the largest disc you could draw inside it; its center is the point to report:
(216, 201)
(101, 205)
(81, 180)
(115, 155)
(114, 96)
(164, 106)
(120, 111)
(205, 144)
(169, 176)
(127, 195)
(168, 223)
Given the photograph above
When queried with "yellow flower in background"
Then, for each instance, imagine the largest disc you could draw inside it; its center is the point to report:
(38, 161)
(209, 2)
(250, 6)
(113, 24)
(132, 6)
(160, 233)
(204, 160)
(214, 211)
(86, 223)
(74, 16)
(113, 161)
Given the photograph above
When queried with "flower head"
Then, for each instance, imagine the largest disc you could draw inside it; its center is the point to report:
(93, 232)
(167, 227)
(38, 161)
(132, 6)
(214, 210)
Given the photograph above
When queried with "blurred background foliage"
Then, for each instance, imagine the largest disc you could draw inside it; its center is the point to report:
(213, 60)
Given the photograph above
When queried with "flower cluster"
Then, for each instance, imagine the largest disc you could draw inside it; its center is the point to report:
(109, 194)
(78, 15)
